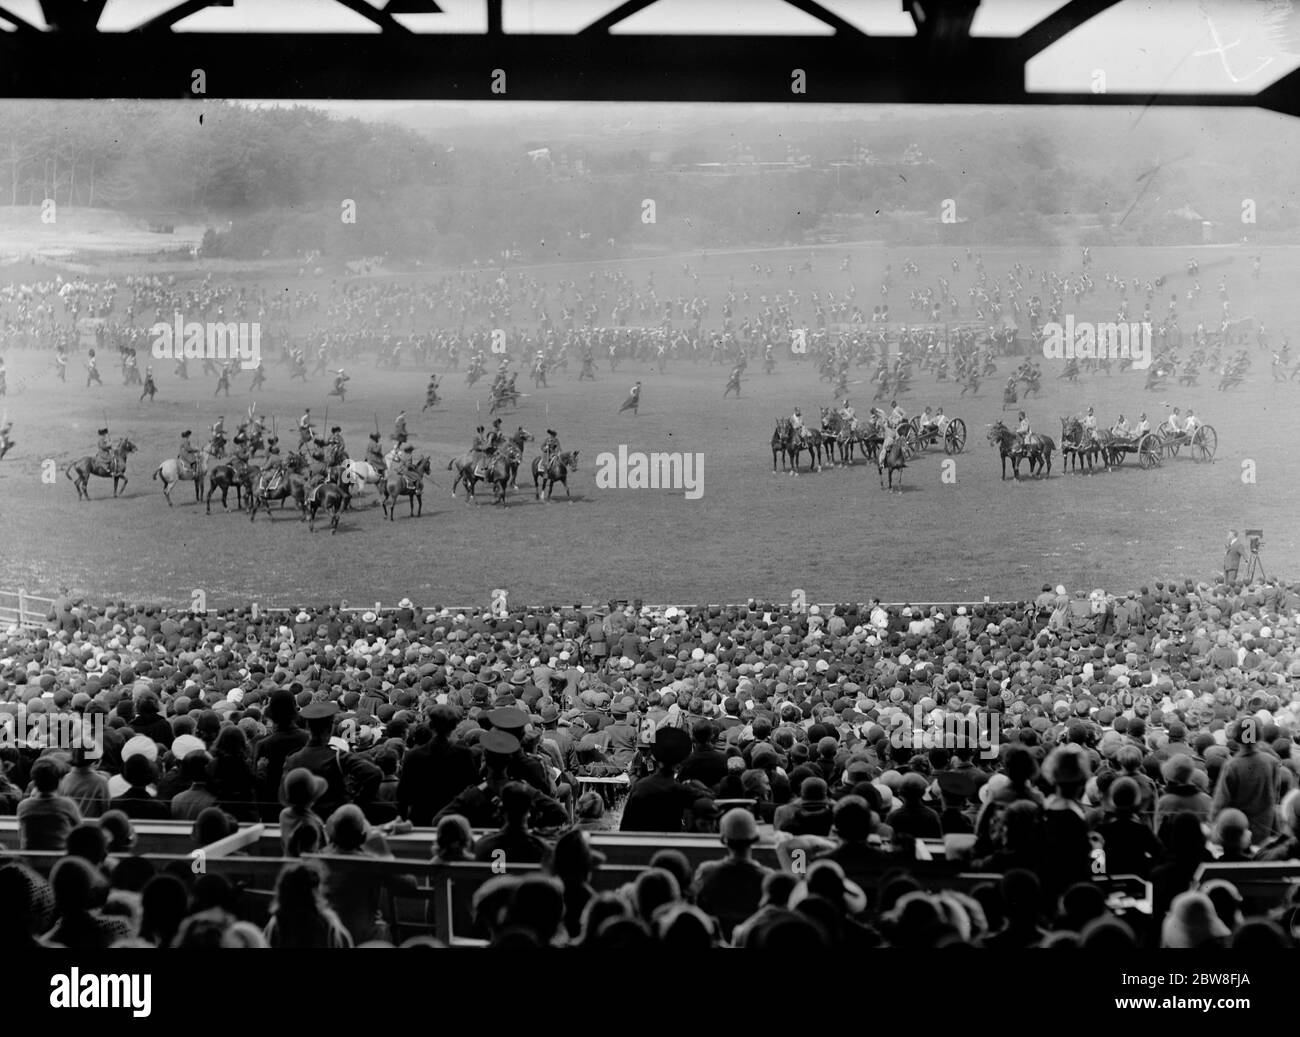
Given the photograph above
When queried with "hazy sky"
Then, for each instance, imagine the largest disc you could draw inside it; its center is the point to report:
(1172, 45)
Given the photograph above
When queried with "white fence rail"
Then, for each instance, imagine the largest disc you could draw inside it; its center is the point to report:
(26, 610)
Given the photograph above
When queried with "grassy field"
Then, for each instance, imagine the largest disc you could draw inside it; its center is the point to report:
(836, 534)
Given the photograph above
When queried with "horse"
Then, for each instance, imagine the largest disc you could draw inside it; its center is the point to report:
(556, 471)
(332, 498)
(1079, 446)
(895, 460)
(515, 453)
(273, 486)
(1008, 445)
(781, 443)
(836, 433)
(358, 476)
(809, 439)
(396, 485)
(497, 476)
(173, 471)
(1036, 449)
(81, 471)
(222, 477)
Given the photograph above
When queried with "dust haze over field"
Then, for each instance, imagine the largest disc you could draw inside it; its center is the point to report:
(253, 198)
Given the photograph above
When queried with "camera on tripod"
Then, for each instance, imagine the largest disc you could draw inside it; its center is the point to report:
(1255, 570)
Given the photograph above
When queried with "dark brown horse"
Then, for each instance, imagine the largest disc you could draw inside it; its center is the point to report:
(281, 486)
(409, 485)
(224, 476)
(556, 472)
(329, 496)
(81, 471)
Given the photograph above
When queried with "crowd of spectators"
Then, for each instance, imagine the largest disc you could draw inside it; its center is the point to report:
(1047, 741)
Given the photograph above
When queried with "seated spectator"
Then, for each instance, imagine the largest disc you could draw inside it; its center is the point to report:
(810, 814)
(1021, 897)
(361, 897)
(1017, 834)
(730, 889)
(514, 843)
(1193, 923)
(164, 904)
(137, 802)
(589, 813)
(1182, 794)
(912, 819)
(85, 785)
(26, 908)
(1286, 845)
(197, 797)
(300, 916)
(45, 818)
(78, 890)
(454, 841)
(1131, 848)
(573, 862)
(300, 791)
(1232, 836)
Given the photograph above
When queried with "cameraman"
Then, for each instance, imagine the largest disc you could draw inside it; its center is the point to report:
(1232, 560)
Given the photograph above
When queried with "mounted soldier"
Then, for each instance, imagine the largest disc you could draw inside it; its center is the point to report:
(187, 455)
(550, 448)
(337, 448)
(375, 454)
(1023, 431)
(239, 455)
(104, 450)
(317, 472)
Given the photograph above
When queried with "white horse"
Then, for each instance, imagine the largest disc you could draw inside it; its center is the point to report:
(173, 471)
(359, 476)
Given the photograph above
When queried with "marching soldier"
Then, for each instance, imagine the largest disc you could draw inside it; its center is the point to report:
(150, 389)
(223, 381)
(92, 370)
(431, 393)
(259, 377)
(61, 364)
(182, 369)
(633, 400)
(399, 428)
(340, 384)
(6, 441)
(305, 431)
